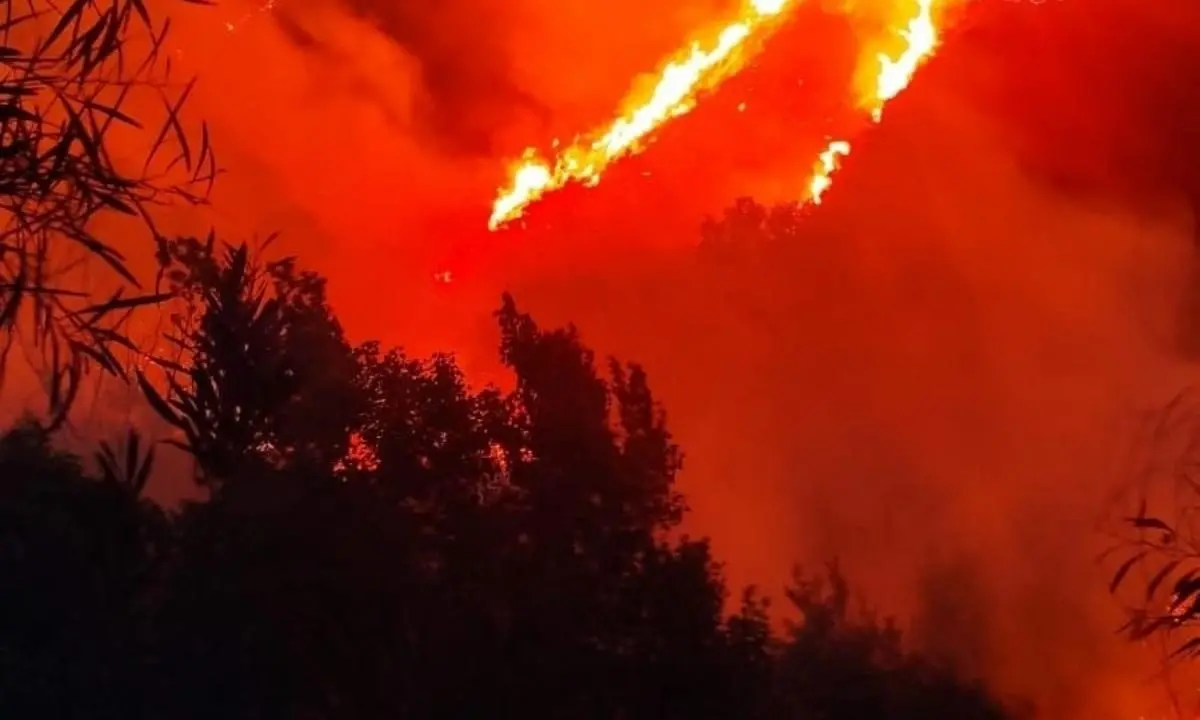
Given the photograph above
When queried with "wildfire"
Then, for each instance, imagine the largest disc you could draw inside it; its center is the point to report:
(920, 41)
(675, 93)
(827, 164)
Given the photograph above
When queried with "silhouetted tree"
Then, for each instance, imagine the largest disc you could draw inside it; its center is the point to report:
(379, 539)
(267, 377)
(79, 558)
(534, 521)
(842, 661)
(747, 223)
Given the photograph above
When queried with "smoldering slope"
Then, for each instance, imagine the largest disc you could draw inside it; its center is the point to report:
(934, 381)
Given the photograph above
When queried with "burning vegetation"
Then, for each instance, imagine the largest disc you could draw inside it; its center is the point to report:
(682, 82)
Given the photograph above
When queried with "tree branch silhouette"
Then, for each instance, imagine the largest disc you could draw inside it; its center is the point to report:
(67, 77)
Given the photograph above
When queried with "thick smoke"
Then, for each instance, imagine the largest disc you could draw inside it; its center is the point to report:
(466, 82)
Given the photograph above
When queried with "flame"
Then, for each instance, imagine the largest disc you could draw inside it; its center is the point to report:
(675, 94)
(920, 37)
(827, 164)
(921, 40)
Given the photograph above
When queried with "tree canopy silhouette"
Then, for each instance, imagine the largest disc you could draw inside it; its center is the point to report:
(379, 539)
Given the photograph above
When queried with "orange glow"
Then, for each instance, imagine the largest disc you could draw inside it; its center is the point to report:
(675, 93)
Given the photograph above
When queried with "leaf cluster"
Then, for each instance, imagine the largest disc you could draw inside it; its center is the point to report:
(67, 77)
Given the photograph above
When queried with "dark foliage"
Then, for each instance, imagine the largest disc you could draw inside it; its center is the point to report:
(80, 562)
(381, 540)
(1159, 552)
(267, 379)
(67, 73)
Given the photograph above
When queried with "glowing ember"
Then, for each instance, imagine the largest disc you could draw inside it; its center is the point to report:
(231, 26)
(674, 94)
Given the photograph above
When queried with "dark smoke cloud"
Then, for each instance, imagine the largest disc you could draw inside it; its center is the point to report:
(467, 83)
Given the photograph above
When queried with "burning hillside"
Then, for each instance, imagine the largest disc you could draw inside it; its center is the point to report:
(681, 83)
